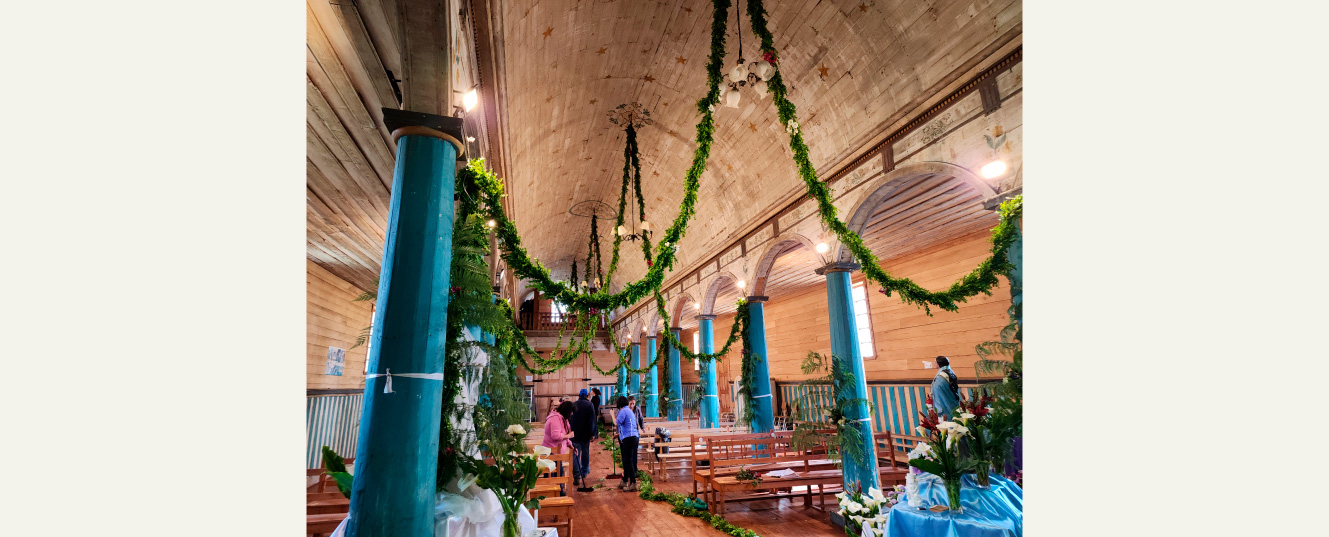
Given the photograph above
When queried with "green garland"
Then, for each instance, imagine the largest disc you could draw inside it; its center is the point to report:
(748, 384)
(516, 257)
(740, 324)
(981, 280)
(685, 506)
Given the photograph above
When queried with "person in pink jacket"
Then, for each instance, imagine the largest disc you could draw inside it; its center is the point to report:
(558, 430)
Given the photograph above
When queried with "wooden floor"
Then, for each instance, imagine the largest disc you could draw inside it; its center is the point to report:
(608, 512)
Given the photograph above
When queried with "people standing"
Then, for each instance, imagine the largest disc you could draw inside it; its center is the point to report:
(583, 430)
(636, 409)
(945, 389)
(626, 423)
(558, 429)
(595, 404)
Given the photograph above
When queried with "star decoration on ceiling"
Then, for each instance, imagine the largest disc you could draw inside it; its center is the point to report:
(549, 32)
(649, 78)
(752, 126)
(823, 70)
(601, 51)
(606, 77)
(687, 9)
(645, 50)
(549, 98)
(680, 59)
(863, 8)
(593, 101)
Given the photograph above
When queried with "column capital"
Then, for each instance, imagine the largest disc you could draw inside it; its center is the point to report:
(705, 317)
(838, 267)
(635, 343)
(756, 298)
(652, 337)
(405, 123)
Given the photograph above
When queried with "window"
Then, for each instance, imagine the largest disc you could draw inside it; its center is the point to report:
(863, 320)
(559, 312)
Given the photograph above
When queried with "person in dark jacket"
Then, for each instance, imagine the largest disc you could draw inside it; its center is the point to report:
(583, 430)
(595, 403)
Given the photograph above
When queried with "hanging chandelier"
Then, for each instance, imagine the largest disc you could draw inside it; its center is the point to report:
(753, 74)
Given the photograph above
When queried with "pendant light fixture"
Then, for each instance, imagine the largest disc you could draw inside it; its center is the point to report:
(753, 74)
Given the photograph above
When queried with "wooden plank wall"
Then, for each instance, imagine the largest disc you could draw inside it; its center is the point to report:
(333, 320)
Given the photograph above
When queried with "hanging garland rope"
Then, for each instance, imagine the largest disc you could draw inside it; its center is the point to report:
(748, 383)
(740, 320)
(516, 257)
(981, 280)
(629, 154)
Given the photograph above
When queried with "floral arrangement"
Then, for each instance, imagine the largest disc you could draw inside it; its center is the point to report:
(973, 414)
(940, 456)
(867, 510)
(511, 478)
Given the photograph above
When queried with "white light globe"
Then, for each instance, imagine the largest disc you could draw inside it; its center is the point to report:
(993, 169)
(823, 248)
(731, 100)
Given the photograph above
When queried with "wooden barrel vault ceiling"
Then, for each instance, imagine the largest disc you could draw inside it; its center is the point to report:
(555, 68)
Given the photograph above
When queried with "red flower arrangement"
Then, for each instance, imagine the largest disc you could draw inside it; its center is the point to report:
(769, 56)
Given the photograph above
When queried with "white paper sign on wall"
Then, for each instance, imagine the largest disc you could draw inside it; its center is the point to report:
(336, 361)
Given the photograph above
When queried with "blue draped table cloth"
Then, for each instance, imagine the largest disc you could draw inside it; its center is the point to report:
(995, 512)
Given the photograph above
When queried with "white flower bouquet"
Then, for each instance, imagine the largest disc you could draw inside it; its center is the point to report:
(867, 511)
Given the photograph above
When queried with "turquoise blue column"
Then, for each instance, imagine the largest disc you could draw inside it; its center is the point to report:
(621, 384)
(1015, 255)
(710, 399)
(652, 382)
(397, 459)
(675, 401)
(844, 349)
(635, 379)
(763, 418)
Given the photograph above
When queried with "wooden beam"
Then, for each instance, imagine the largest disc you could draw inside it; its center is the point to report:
(427, 57)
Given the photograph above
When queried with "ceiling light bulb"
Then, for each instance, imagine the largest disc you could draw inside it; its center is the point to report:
(739, 73)
(697, 305)
(731, 99)
(742, 284)
(491, 223)
(645, 226)
(993, 169)
(621, 231)
(823, 248)
(583, 283)
(765, 70)
(470, 138)
(760, 88)
(469, 100)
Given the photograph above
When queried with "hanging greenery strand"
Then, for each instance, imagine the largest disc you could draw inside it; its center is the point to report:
(748, 378)
(516, 257)
(629, 152)
(740, 320)
(980, 280)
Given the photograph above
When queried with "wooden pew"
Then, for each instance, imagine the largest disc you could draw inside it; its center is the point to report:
(818, 471)
(700, 455)
(323, 524)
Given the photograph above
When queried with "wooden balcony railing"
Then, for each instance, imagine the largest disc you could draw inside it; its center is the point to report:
(551, 321)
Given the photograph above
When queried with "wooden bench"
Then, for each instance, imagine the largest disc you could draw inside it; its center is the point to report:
(724, 446)
(324, 524)
(657, 460)
(817, 471)
(555, 485)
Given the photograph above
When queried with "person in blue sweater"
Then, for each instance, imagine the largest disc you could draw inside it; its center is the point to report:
(626, 422)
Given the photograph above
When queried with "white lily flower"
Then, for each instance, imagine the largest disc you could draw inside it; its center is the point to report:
(545, 464)
(961, 430)
(967, 416)
(921, 430)
(516, 429)
(541, 450)
(947, 425)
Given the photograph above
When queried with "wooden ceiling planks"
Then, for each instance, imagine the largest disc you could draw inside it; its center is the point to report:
(559, 52)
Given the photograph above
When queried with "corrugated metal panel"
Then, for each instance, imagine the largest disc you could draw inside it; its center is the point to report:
(333, 421)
